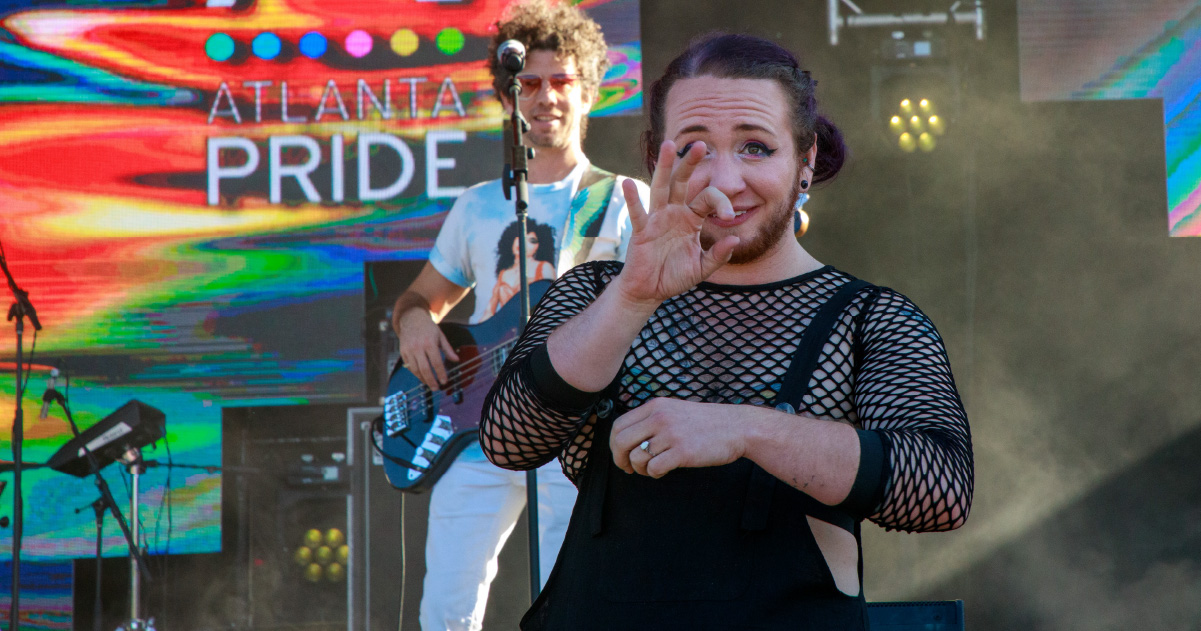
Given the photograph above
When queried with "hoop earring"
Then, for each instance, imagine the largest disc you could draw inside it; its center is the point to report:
(800, 218)
(800, 223)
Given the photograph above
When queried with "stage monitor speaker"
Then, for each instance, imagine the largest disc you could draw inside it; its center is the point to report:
(296, 469)
(936, 615)
(291, 504)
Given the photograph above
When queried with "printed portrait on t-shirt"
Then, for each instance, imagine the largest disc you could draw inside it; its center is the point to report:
(540, 260)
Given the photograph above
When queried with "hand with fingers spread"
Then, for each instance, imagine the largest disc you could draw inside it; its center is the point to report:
(665, 257)
(665, 434)
(423, 347)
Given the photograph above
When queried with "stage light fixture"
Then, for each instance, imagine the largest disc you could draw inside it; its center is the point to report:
(322, 555)
(915, 99)
(846, 14)
(918, 131)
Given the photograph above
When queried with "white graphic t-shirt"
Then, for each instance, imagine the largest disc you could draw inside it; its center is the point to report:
(477, 246)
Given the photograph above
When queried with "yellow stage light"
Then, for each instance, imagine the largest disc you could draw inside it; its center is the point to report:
(937, 125)
(312, 538)
(335, 572)
(925, 106)
(343, 554)
(313, 573)
(925, 142)
(334, 538)
(303, 556)
(906, 106)
(896, 125)
(907, 143)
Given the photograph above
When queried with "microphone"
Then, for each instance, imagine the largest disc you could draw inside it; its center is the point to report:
(511, 54)
(48, 396)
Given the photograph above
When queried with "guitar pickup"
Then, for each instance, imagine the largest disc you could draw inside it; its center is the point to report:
(431, 444)
(396, 414)
(442, 427)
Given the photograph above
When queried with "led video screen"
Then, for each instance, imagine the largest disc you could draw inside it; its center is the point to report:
(1115, 49)
(189, 192)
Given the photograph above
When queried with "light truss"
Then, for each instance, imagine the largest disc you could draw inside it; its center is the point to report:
(858, 18)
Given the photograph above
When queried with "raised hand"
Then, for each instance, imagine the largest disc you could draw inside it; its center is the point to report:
(665, 257)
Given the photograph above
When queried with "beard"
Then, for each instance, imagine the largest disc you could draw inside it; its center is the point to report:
(779, 223)
(561, 139)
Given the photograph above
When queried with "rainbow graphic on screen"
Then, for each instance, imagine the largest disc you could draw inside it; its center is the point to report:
(189, 192)
(1123, 50)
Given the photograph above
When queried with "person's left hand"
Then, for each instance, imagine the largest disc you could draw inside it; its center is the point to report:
(678, 434)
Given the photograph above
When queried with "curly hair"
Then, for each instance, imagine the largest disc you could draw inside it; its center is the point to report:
(504, 248)
(555, 26)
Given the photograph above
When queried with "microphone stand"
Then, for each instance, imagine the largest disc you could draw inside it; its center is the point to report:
(98, 507)
(516, 177)
(19, 310)
(106, 497)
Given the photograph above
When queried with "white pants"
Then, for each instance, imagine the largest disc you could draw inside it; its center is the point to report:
(473, 509)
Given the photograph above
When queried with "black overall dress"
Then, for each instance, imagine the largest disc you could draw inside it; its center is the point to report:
(701, 549)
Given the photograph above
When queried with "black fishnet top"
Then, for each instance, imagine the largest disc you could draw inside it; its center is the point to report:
(884, 370)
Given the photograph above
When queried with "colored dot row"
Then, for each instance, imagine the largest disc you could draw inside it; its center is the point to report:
(267, 46)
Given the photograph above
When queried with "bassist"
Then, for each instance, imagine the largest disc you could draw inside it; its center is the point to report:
(576, 214)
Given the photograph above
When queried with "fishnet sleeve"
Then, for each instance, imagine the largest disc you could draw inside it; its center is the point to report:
(523, 426)
(904, 391)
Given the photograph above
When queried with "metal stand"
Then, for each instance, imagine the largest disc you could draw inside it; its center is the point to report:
(19, 310)
(516, 178)
(97, 507)
(132, 459)
(136, 467)
(98, 606)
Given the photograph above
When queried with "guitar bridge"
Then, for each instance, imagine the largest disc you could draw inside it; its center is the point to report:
(396, 414)
(431, 444)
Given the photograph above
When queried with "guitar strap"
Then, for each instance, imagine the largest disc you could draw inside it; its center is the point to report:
(587, 216)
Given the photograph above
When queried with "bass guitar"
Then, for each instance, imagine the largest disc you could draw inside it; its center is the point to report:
(423, 429)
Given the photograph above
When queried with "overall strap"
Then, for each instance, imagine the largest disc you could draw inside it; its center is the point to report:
(804, 361)
(794, 387)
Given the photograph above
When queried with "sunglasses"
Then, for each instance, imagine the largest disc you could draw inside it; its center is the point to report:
(531, 84)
